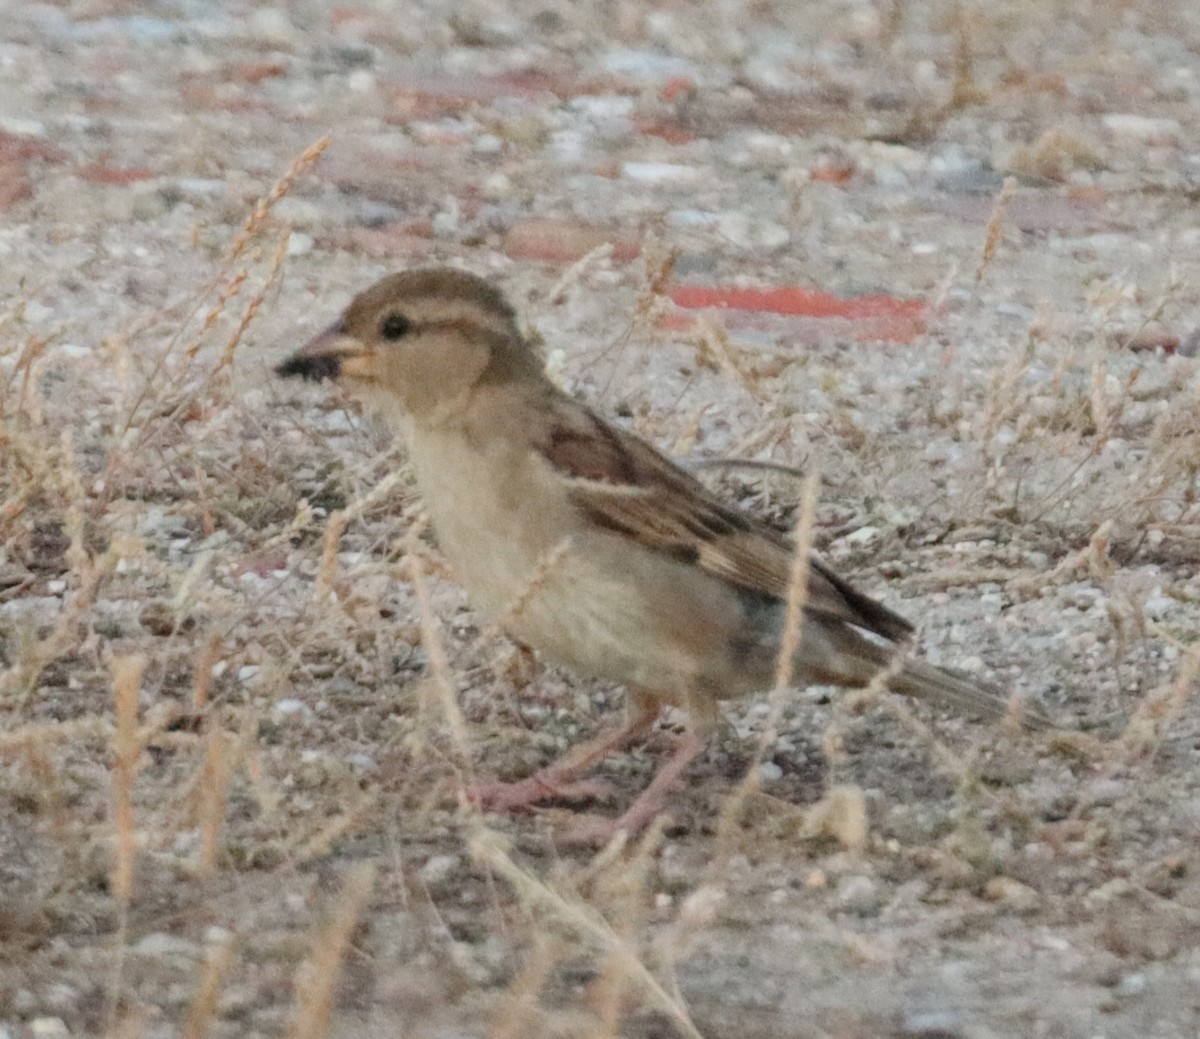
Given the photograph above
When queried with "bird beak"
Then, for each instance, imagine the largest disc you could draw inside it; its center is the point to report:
(330, 355)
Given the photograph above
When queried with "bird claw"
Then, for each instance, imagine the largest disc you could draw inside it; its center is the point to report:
(513, 797)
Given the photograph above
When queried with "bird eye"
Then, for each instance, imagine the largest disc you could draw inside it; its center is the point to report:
(395, 326)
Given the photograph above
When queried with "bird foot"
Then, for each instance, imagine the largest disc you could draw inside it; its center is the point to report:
(649, 805)
(513, 797)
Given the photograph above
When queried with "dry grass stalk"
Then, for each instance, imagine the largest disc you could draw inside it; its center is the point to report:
(320, 843)
(696, 916)
(574, 273)
(214, 790)
(335, 527)
(878, 694)
(208, 658)
(51, 796)
(487, 848)
(518, 1016)
(714, 345)
(49, 734)
(379, 492)
(203, 1011)
(127, 674)
(317, 977)
(995, 228)
(439, 663)
(262, 208)
(685, 441)
(970, 577)
(608, 994)
(841, 815)
(28, 365)
(1162, 708)
(127, 748)
(163, 392)
(761, 464)
(255, 302)
(230, 291)
(965, 91)
(797, 594)
(785, 660)
(534, 583)
(1094, 559)
(658, 263)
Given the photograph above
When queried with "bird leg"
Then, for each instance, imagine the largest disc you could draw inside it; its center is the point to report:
(650, 803)
(559, 779)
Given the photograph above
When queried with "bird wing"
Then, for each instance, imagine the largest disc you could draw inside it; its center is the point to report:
(623, 484)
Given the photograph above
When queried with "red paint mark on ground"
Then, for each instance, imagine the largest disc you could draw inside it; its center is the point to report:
(262, 564)
(665, 129)
(833, 171)
(255, 71)
(15, 185)
(676, 89)
(872, 317)
(17, 147)
(17, 153)
(103, 173)
(792, 299)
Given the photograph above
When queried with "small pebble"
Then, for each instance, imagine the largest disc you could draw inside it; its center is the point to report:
(931, 1024)
(659, 172)
(497, 187)
(1011, 893)
(769, 772)
(159, 943)
(1131, 985)
(862, 536)
(857, 891)
(1158, 606)
(1141, 128)
(752, 232)
(438, 868)
(299, 244)
(202, 188)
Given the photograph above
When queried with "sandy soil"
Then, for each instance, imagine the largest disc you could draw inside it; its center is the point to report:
(233, 738)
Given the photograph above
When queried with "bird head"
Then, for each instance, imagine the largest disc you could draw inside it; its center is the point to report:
(421, 339)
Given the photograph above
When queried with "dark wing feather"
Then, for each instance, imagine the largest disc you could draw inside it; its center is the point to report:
(625, 485)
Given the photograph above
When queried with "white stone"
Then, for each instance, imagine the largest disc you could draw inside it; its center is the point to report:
(1140, 127)
(769, 772)
(438, 868)
(659, 172)
(160, 943)
(291, 708)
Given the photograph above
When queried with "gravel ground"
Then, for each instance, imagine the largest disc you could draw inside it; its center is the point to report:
(234, 736)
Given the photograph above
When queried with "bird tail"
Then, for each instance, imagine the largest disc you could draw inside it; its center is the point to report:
(852, 659)
(924, 681)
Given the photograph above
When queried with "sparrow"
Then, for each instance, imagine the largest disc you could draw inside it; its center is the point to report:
(590, 545)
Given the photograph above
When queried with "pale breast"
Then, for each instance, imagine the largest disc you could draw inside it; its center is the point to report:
(496, 512)
(602, 604)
